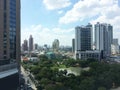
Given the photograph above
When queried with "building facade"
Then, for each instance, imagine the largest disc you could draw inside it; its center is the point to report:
(115, 47)
(55, 45)
(84, 42)
(103, 38)
(115, 41)
(83, 38)
(84, 55)
(73, 45)
(9, 29)
(31, 43)
(25, 45)
(36, 47)
(9, 44)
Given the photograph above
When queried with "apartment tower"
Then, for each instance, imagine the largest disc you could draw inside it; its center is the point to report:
(103, 38)
(83, 38)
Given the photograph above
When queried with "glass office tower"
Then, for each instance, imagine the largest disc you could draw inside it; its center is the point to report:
(9, 30)
(9, 41)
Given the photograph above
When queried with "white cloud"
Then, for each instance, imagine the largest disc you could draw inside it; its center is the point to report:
(43, 35)
(106, 11)
(60, 12)
(115, 22)
(85, 9)
(56, 4)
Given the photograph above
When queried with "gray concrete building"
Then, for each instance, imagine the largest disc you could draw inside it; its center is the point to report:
(115, 47)
(25, 45)
(73, 45)
(103, 38)
(83, 41)
(31, 43)
(83, 38)
(84, 55)
(55, 45)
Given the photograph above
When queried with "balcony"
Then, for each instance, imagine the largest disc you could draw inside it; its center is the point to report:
(7, 70)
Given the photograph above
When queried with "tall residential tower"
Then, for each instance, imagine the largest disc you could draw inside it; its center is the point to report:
(83, 38)
(103, 38)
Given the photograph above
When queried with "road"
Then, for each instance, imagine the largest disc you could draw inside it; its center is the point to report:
(116, 88)
(27, 78)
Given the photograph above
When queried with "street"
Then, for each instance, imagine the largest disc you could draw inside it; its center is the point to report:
(28, 81)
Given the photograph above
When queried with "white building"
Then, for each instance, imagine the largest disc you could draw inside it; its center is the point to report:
(103, 38)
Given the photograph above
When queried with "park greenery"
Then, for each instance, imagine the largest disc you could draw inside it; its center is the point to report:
(100, 76)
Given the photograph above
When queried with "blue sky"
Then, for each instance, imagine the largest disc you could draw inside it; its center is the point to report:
(47, 20)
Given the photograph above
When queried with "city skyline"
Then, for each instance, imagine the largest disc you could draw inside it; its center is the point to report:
(51, 19)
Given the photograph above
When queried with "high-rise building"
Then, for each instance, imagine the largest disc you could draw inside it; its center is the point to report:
(115, 47)
(36, 47)
(9, 29)
(115, 41)
(84, 43)
(103, 38)
(83, 38)
(55, 45)
(9, 39)
(73, 45)
(25, 45)
(31, 43)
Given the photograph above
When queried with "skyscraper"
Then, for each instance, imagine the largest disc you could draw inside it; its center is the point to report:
(25, 45)
(115, 46)
(9, 35)
(36, 47)
(31, 43)
(103, 38)
(83, 38)
(9, 29)
(73, 45)
(115, 41)
(55, 45)
(84, 43)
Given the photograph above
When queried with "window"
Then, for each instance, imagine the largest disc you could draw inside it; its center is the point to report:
(5, 52)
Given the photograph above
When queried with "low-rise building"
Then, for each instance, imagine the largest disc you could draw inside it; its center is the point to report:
(84, 55)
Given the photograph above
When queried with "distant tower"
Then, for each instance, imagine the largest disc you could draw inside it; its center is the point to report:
(31, 43)
(115, 41)
(103, 38)
(25, 45)
(73, 45)
(83, 38)
(55, 45)
(115, 46)
(36, 47)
